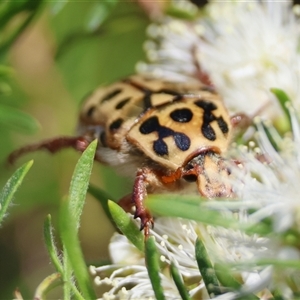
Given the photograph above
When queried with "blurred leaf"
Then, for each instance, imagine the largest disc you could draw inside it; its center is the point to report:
(126, 225)
(11, 187)
(225, 277)
(80, 181)
(6, 71)
(153, 268)
(283, 100)
(17, 120)
(182, 10)
(102, 197)
(16, 15)
(286, 263)
(57, 6)
(188, 207)
(99, 12)
(179, 282)
(68, 229)
(46, 285)
(206, 269)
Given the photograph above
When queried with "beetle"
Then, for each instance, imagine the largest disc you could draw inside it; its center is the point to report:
(171, 137)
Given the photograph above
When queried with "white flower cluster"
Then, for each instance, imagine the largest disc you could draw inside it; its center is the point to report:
(245, 47)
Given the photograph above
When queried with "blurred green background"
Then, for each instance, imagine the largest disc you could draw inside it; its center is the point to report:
(66, 50)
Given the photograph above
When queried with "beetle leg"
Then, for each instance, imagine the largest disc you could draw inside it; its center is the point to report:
(143, 176)
(52, 145)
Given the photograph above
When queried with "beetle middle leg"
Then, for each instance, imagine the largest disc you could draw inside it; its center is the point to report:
(145, 177)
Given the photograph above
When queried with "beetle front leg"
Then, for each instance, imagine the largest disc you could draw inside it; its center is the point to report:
(139, 194)
(52, 145)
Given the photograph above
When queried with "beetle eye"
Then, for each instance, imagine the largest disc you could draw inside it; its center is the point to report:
(190, 178)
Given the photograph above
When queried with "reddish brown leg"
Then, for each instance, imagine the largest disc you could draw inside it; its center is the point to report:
(126, 203)
(138, 196)
(52, 145)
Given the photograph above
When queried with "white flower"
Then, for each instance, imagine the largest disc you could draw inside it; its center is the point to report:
(244, 48)
(249, 48)
(170, 51)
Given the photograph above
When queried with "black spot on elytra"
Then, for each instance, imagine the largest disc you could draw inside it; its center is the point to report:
(122, 103)
(160, 147)
(115, 124)
(223, 125)
(182, 115)
(90, 111)
(182, 141)
(150, 125)
(209, 117)
(110, 95)
(147, 100)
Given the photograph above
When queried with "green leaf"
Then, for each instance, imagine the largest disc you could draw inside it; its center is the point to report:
(11, 187)
(152, 263)
(68, 229)
(15, 16)
(284, 101)
(80, 181)
(54, 256)
(206, 269)
(99, 13)
(75, 203)
(17, 120)
(188, 207)
(102, 197)
(188, 11)
(126, 225)
(57, 6)
(179, 282)
(46, 285)
(50, 244)
(225, 277)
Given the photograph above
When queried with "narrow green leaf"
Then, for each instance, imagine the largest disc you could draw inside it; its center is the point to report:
(54, 256)
(126, 225)
(206, 269)
(187, 12)
(283, 100)
(102, 197)
(11, 187)
(68, 230)
(293, 264)
(46, 285)
(152, 263)
(225, 277)
(80, 181)
(179, 283)
(191, 208)
(50, 244)
(17, 120)
(67, 274)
